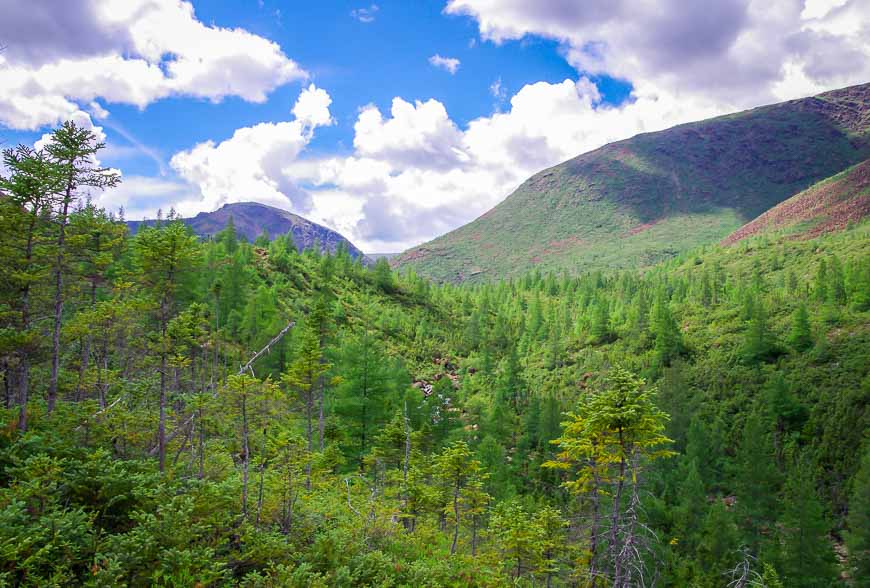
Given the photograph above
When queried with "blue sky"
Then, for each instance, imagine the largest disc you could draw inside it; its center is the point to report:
(347, 112)
(358, 63)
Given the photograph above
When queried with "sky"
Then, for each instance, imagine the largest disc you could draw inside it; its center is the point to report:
(397, 121)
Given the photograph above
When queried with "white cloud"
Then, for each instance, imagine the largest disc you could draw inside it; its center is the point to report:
(416, 174)
(142, 196)
(126, 51)
(365, 15)
(450, 64)
(419, 134)
(732, 52)
(312, 107)
(820, 8)
(250, 164)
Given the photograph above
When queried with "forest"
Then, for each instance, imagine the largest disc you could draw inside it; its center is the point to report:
(181, 411)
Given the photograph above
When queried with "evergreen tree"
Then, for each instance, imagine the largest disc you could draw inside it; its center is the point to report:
(691, 505)
(858, 538)
(383, 275)
(800, 336)
(162, 257)
(600, 327)
(228, 236)
(302, 377)
(72, 149)
(459, 474)
(757, 482)
(668, 339)
(27, 198)
(365, 394)
(758, 344)
(808, 557)
(611, 436)
(820, 288)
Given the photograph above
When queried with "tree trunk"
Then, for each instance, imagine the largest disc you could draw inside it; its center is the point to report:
(245, 456)
(161, 424)
(321, 386)
(24, 361)
(595, 528)
(262, 478)
(7, 385)
(309, 417)
(58, 300)
(201, 473)
(23, 380)
(86, 344)
(455, 519)
(613, 546)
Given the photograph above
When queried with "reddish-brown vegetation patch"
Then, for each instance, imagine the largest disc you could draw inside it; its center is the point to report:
(832, 205)
(642, 227)
(412, 255)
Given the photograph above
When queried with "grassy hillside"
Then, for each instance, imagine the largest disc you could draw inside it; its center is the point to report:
(638, 201)
(827, 206)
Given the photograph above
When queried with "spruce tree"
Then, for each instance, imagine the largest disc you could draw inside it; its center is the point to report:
(800, 336)
(668, 339)
(302, 377)
(759, 344)
(807, 554)
(599, 330)
(365, 394)
(757, 482)
(459, 474)
(73, 150)
(858, 538)
(28, 195)
(163, 256)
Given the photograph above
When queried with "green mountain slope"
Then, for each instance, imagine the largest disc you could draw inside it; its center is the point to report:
(638, 201)
(827, 206)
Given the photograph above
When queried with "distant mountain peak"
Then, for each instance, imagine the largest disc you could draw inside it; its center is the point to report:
(251, 219)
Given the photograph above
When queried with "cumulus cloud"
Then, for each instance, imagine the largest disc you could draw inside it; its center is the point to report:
(450, 64)
(142, 196)
(312, 108)
(734, 52)
(419, 135)
(250, 164)
(70, 53)
(415, 174)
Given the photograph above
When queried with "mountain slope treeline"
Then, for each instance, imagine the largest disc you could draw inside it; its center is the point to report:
(233, 413)
(636, 202)
(252, 221)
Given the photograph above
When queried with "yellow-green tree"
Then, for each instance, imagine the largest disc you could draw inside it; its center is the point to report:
(302, 378)
(605, 444)
(459, 475)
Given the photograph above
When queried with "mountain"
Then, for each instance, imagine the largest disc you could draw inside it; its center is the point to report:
(648, 198)
(252, 218)
(827, 206)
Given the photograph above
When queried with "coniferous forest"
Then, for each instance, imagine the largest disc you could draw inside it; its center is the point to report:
(180, 411)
